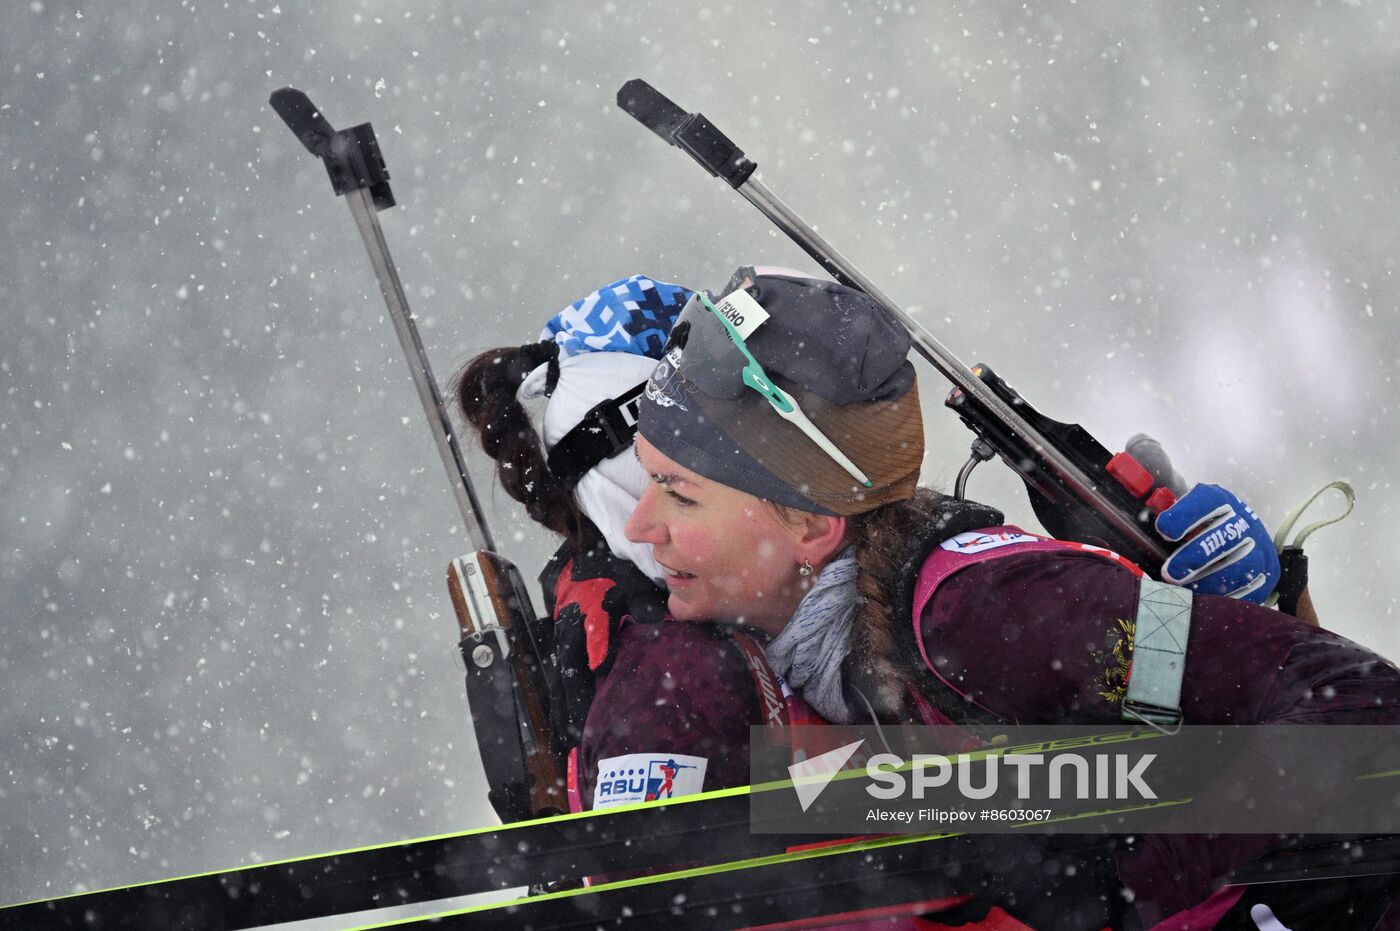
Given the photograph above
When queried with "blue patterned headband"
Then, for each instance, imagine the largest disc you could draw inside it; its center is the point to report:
(632, 314)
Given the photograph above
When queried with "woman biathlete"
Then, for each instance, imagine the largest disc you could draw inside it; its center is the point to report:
(783, 438)
(783, 435)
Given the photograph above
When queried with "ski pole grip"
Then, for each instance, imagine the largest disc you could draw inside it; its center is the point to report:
(351, 156)
(691, 132)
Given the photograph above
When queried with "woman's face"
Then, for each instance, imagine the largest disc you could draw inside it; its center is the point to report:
(728, 556)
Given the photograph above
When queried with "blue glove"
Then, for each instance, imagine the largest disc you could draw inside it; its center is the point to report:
(1228, 551)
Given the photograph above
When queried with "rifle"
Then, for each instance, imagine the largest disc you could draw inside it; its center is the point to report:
(505, 646)
(1078, 489)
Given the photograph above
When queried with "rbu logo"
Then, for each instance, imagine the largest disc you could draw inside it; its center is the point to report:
(647, 777)
(661, 778)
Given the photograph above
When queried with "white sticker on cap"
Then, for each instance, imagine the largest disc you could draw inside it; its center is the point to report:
(647, 777)
(743, 312)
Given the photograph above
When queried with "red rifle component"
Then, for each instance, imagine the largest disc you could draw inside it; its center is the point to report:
(1130, 474)
(1160, 500)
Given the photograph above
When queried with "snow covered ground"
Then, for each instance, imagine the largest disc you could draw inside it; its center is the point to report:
(223, 527)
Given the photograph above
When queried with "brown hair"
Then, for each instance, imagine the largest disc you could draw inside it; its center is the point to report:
(485, 391)
(882, 663)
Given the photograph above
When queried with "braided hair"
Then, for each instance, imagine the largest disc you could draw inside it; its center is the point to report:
(485, 391)
(883, 662)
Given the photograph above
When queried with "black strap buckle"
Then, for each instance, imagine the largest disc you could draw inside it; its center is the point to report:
(606, 430)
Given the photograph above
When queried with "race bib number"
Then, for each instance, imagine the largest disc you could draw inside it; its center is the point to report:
(647, 777)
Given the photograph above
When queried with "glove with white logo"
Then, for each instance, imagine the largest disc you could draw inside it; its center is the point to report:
(1227, 550)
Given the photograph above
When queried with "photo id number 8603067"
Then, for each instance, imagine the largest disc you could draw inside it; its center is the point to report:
(1010, 815)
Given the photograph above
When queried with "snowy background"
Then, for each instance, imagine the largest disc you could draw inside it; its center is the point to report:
(223, 527)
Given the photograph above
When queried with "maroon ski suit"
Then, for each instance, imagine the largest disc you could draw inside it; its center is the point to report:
(1038, 638)
(1033, 637)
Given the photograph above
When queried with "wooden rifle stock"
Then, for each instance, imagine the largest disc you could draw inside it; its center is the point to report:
(505, 648)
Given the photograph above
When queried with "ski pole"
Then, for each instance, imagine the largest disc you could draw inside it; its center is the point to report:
(502, 642)
(1062, 463)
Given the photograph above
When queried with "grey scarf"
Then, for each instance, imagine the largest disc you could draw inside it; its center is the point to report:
(809, 650)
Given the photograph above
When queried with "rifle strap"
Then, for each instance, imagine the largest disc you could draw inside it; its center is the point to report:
(1292, 560)
(1160, 634)
(772, 709)
(606, 430)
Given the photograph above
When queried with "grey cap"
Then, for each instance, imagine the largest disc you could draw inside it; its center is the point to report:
(843, 357)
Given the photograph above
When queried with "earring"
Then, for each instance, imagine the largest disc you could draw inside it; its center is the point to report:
(805, 569)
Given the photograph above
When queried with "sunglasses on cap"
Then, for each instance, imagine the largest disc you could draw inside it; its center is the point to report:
(718, 362)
